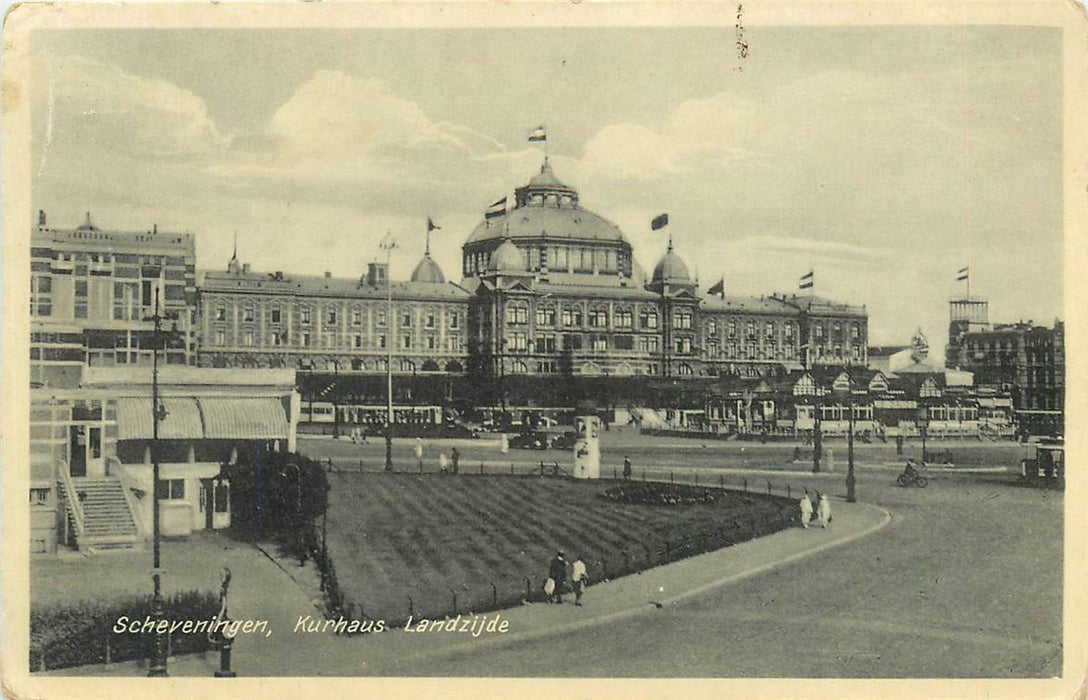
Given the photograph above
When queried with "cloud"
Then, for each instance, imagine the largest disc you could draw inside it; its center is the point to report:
(830, 250)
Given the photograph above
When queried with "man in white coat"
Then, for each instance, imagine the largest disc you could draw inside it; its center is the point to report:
(824, 510)
(806, 510)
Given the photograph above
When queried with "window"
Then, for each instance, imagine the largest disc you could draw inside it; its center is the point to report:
(453, 342)
(357, 341)
(277, 338)
(818, 331)
(837, 330)
(625, 318)
(275, 314)
(683, 346)
(684, 369)
(681, 319)
(407, 366)
(330, 316)
(455, 319)
(39, 497)
(304, 315)
(545, 316)
(432, 342)
(789, 330)
(598, 318)
(517, 314)
(247, 313)
(173, 489)
(430, 319)
(855, 332)
(648, 343)
(572, 341)
(221, 496)
(406, 319)
(768, 330)
(220, 336)
(406, 340)
(731, 328)
(647, 319)
(381, 341)
(247, 337)
(711, 327)
(572, 316)
(599, 343)
(623, 342)
(304, 339)
(517, 341)
(750, 330)
(857, 352)
(545, 344)
(356, 317)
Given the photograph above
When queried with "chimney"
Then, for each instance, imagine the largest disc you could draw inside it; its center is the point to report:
(376, 274)
(41, 217)
(245, 268)
(154, 228)
(328, 274)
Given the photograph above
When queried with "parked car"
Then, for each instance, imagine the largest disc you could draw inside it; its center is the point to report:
(459, 430)
(564, 441)
(529, 441)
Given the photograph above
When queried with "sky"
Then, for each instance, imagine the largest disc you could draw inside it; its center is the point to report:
(882, 158)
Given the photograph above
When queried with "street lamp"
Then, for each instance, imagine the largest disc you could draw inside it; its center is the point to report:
(388, 244)
(923, 427)
(850, 480)
(157, 666)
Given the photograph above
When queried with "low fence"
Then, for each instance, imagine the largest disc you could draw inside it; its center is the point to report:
(775, 508)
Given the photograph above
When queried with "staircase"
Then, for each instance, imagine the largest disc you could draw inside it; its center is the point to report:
(98, 504)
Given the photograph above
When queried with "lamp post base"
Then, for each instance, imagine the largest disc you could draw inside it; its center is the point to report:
(851, 496)
(157, 666)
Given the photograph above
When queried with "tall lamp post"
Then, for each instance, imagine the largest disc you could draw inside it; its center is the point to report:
(388, 244)
(157, 666)
(923, 427)
(850, 480)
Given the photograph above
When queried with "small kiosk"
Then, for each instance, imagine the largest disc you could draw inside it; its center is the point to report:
(587, 447)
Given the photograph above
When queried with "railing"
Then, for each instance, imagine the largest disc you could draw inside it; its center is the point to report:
(70, 495)
(142, 528)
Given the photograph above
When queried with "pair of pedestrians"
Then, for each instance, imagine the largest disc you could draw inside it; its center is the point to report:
(822, 509)
(557, 578)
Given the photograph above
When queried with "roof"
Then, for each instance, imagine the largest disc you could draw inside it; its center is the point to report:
(671, 268)
(313, 285)
(819, 305)
(887, 349)
(137, 379)
(428, 271)
(743, 303)
(539, 223)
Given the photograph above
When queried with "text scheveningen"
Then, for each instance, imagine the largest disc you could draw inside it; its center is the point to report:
(228, 628)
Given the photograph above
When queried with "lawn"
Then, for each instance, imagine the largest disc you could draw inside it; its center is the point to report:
(400, 540)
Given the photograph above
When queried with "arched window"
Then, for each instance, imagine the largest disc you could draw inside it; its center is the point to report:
(407, 366)
(684, 369)
(430, 366)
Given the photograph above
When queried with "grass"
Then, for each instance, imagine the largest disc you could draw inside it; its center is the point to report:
(430, 538)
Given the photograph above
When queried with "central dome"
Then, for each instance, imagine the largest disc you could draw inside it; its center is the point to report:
(546, 208)
(428, 271)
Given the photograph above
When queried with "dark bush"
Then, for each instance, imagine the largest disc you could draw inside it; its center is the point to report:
(81, 633)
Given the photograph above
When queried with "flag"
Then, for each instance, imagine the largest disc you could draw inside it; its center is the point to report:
(538, 134)
(432, 226)
(718, 288)
(963, 274)
(660, 221)
(807, 280)
(496, 209)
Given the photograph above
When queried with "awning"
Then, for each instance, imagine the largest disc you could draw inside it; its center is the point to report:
(893, 403)
(182, 421)
(244, 418)
(984, 402)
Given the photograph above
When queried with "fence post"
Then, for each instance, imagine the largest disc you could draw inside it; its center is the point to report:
(360, 465)
(613, 473)
(768, 487)
(746, 484)
(481, 468)
(528, 590)
(670, 476)
(696, 475)
(511, 469)
(494, 595)
(789, 491)
(411, 608)
(721, 481)
(644, 475)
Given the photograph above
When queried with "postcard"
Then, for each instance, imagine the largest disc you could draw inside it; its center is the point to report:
(498, 349)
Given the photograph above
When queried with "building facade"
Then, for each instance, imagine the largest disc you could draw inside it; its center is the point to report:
(93, 297)
(1025, 359)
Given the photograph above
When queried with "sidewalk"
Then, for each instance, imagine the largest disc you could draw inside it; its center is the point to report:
(398, 652)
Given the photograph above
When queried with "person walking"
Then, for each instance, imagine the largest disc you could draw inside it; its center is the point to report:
(455, 459)
(580, 578)
(626, 467)
(419, 453)
(898, 445)
(806, 510)
(557, 572)
(824, 510)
